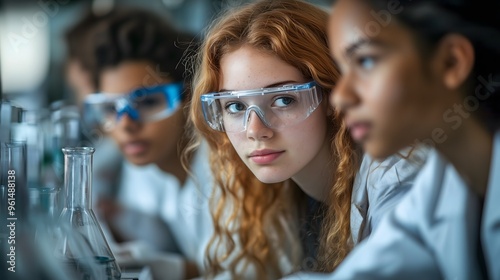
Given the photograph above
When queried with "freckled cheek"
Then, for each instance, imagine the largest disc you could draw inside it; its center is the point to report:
(238, 142)
(311, 132)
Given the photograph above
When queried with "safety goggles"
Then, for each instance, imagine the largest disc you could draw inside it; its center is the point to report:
(141, 105)
(276, 107)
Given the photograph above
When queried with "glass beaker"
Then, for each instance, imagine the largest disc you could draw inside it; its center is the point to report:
(83, 224)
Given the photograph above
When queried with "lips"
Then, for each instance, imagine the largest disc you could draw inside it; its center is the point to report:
(265, 156)
(135, 148)
(360, 130)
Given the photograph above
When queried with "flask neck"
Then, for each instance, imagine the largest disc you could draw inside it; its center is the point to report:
(78, 176)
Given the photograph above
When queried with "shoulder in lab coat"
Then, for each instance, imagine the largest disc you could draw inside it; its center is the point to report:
(434, 232)
(380, 185)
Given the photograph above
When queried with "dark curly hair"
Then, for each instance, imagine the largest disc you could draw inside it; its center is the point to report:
(76, 36)
(132, 34)
(78, 40)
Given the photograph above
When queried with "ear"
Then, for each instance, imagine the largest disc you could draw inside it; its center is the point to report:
(456, 59)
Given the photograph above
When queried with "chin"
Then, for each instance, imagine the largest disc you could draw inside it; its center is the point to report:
(140, 161)
(270, 176)
(267, 180)
(380, 152)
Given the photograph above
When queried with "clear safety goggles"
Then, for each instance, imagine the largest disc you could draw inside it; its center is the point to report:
(141, 105)
(276, 107)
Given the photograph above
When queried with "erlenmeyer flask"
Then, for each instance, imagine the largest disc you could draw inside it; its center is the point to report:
(78, 215)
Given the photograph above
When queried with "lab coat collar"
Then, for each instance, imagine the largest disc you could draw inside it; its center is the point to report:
(491, 213)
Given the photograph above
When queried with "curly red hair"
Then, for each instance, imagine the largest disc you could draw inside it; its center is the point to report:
(248, 215)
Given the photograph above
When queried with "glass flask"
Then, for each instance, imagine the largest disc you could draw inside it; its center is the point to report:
(86, 250)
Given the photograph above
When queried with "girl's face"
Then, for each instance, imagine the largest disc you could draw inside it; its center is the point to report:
(149, 142)
(389, 96)
(272, 155)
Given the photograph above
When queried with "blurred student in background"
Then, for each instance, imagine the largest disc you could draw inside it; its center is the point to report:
(142, 92)
(289, 197)
(82, 81)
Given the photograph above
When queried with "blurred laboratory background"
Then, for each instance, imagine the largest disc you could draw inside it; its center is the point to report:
(33, 51)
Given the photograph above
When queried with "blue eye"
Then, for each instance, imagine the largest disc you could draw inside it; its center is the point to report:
(367, 62)
(235, 107)
(283, 101)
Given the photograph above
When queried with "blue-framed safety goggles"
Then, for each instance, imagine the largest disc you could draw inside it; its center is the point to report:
(277, 107)
(142, 105)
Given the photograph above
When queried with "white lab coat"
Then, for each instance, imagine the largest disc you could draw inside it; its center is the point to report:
(434, 232)
(152, 196)
(380, 185)
(377, 188)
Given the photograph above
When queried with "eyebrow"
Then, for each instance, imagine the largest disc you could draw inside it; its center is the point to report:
(268, 86)
(362, 42)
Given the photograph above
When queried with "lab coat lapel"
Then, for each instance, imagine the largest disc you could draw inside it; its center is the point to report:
(359, 201)
(491, 215)
(455, 221)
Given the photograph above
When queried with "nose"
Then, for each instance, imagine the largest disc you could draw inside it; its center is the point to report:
(343, 95)
(126, 123)
(257, 129)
